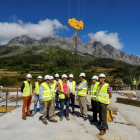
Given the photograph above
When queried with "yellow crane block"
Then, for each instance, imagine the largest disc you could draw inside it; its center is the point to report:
(77, 25)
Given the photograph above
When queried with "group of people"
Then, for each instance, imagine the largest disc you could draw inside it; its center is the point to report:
(51, 91)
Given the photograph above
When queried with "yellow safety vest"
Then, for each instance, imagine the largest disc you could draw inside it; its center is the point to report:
(47, 94)
(93, 93)
(58, 81)
(102, 94)
(61, 95)
(134, 82)
(27, 91)
(53, 86)
(73, 87)
(37, 87)
(83, 91)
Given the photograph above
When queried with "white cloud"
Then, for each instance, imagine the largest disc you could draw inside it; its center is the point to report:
(84, 36)
(43, 28)
(107, 38)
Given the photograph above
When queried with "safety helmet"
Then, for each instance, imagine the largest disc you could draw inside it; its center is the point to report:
(29, 76)
(51, 77)
(102, 75)
(95, 77)
(56, 75)
(47, 77)
(82, 75)
(64, 76)
(71, 76)
(39, 77)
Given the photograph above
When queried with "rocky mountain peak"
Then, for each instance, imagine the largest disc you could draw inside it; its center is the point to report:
(92, 47)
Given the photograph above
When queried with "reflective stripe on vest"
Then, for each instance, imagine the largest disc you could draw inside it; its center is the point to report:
(83, 91)
(94, 91)
(61, 95)
(47, 94)
(53, 86)
(102, 95)
(27, 91)
(37, 86)
(73, 87)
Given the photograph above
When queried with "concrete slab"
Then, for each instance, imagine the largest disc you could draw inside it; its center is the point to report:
(13, 127)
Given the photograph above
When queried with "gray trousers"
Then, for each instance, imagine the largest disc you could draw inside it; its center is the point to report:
(83, 105)
(103, 115)
(48, 108)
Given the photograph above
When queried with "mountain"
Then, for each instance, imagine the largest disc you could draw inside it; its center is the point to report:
(92, 47)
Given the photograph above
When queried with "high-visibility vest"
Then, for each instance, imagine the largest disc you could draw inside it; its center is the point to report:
(83, 91)
(37, 87)
(27, 91)
(53, 86)
(102, 94)
(61, 95)
(47, 94)
(93, 93)
(58, 81)
(73, 87)
(134, 82)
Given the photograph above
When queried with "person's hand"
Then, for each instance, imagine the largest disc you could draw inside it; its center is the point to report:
(53, 99)
(43, 100)
(34, 93)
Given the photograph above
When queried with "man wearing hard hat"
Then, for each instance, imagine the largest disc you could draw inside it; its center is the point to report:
(45, 95)
(53, 90)
(63, 89)
(103, 97)
(82, 93)
(72, 85)
(93, 95)
(57, 81)
(26, 89)
(36, 88)
(134, 83)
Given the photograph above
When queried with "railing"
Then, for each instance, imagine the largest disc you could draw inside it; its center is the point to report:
(9, 95)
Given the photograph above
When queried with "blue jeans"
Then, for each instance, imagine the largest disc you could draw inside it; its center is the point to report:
(62, 103)
(36, 97)
(72, 98)
(56, 100)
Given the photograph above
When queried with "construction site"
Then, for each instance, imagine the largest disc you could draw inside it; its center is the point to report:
(125, 124)
(64, 86)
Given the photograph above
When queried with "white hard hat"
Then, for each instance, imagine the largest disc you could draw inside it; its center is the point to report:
(95, 77)
(56, 75)
(71, 76)
(29, 76)
(51, 77)
(82, 75)
(102, 75)
(46, 77)
(64, 76)
(39, 77)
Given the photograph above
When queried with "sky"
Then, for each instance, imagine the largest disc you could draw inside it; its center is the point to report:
(114, 22)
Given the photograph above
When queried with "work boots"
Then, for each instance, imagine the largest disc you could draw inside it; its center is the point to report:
(67, 117)
(45, 122)
(61, 118)
(53, 120)
(102, 132)
(24, 118)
